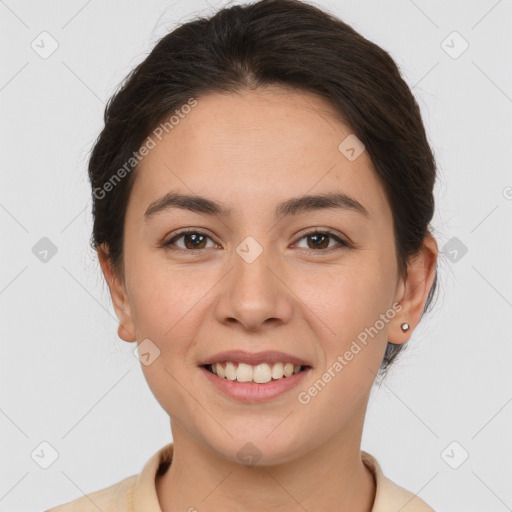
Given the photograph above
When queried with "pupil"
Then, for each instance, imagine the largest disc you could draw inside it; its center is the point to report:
(320, 236)
(195, 238)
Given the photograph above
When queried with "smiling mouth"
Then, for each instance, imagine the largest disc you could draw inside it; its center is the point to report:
(260, 374)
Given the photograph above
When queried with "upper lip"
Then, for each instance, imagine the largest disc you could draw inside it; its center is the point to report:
(254, 358)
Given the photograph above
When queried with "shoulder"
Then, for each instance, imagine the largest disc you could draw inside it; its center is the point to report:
(390, 496)
(117, 497)
(136, 492)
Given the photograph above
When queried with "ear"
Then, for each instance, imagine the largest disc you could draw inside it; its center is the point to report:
(413, 290)
(125, 330)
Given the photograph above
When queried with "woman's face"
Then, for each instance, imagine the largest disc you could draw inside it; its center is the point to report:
(256, 282)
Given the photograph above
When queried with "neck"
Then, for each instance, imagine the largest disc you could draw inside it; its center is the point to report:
(331, 476)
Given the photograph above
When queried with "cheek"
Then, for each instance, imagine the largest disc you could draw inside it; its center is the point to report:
(164, 299)
(350, 303)
(166, 306)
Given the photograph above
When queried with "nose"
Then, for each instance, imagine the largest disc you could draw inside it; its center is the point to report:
(254, 295)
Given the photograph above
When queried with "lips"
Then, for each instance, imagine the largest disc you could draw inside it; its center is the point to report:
(255, 358)
(252, 392)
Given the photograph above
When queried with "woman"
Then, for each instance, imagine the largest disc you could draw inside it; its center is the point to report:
(262, 189)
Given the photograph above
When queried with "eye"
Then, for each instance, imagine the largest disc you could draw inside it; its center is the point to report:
(321, 240)
(194, 241)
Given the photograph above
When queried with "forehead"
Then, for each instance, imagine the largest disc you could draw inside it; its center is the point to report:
(251, 149)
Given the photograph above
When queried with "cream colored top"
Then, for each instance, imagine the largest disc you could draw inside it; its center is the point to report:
(137, 493)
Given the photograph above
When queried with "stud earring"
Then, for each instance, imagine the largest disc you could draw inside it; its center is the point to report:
(405, 327)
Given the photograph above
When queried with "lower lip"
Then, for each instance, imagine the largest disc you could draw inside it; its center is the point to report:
(251, 392)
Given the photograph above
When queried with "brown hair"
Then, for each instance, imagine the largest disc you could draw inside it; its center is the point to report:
(271, 42)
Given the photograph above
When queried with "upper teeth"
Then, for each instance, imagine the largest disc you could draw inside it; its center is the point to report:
(260, 373)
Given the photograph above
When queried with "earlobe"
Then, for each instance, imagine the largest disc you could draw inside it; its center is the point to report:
(414, 290)
(119, 297)
(124, 334)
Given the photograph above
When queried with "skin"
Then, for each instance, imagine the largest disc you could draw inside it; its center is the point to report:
(251, 150)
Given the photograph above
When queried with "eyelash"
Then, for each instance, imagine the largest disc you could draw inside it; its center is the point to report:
(167, 245)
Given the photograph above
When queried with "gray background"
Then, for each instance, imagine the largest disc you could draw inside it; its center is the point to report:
(65, 377)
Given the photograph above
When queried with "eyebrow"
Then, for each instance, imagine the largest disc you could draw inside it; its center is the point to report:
(293, 206)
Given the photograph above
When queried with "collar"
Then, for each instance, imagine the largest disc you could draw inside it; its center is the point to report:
(388, 495)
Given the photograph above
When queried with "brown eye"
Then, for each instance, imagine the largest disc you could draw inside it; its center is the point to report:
(318, 241)
(192, 241)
